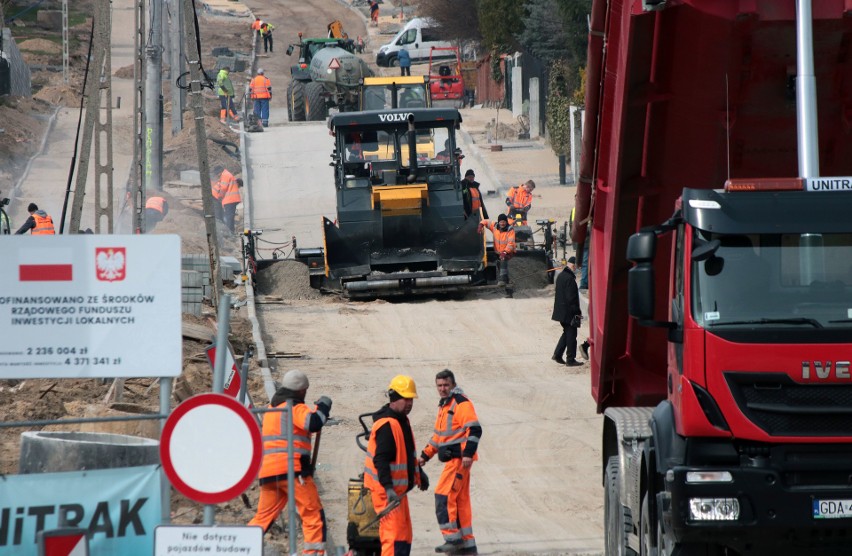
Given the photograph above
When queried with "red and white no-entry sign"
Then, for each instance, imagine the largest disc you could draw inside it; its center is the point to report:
(211, 448)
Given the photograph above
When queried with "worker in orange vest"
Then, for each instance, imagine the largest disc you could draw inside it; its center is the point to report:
(519, 201)
(472, 196)
(260, 91)
(156, 208)
(504, 245)
(39, 222)
(455, 441)
(230, 201)
(256, 25)
(274, 467)
(391, 468)
(220, 187)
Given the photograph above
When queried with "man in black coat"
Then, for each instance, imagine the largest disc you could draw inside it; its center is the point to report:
(566, 311)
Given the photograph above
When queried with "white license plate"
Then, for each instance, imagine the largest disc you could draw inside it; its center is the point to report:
(832, 509)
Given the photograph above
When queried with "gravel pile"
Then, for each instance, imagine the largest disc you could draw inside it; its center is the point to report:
(287, 279)
(528, 272)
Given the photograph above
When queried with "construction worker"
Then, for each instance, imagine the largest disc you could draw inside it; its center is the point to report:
(472, 196)
(256, 25)
(266, 32)
(374, 13)
(39, 223)
(359, 45)
(455, 441)
(156, 208)
(567, 312)
(226, 96)
(261, 91)
(230, 201)
(519, 201)
(504, 245)
(220, 187)
(391, 468)
(273, 469)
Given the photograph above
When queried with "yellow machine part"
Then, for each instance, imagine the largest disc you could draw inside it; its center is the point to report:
(361, 509)
(401, 199)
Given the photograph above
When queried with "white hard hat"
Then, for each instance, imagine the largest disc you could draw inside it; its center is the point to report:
(260, 71)
(295, 380)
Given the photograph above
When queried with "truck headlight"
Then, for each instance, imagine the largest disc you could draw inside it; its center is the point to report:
(714, 509)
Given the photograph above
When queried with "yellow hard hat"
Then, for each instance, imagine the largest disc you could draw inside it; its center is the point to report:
(404, 386)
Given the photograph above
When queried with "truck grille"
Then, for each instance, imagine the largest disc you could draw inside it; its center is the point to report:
(782, 407)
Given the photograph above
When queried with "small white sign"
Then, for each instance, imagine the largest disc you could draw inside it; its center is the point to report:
(171, 540)
(81, 306)
(837, 183)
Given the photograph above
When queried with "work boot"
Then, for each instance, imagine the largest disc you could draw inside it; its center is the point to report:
(584, 350)
(558, 359)
(468, 550)
(573, 363)
(449, 547)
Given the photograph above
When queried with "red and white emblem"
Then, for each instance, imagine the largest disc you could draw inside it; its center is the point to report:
(110, 263)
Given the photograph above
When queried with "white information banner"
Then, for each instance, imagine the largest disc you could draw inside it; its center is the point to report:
(170, 540)
(80, 306)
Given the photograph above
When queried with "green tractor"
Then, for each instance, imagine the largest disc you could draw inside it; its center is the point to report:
(327, 75)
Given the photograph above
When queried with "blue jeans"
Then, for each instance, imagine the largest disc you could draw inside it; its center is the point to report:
(261, 110)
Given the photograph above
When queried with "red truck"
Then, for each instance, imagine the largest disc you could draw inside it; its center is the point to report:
(715, 183)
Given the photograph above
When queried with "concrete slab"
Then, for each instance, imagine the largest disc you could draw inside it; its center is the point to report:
(226, 8)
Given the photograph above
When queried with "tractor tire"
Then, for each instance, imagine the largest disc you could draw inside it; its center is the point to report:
(289, 98)
(296, 101)
(618, 523)
(315, 109)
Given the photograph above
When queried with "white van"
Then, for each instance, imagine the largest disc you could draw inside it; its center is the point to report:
(418, 37)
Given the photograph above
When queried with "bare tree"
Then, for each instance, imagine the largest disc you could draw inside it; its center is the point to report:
(459, 20)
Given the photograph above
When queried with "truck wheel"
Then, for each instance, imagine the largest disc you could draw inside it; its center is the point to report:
(289, 98)
(315, 110)
(617, 519)
(296, 100)
(393, 62)
(647, 530)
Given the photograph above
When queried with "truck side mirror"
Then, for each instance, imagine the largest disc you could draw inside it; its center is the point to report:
(641, 248)
(289, 50)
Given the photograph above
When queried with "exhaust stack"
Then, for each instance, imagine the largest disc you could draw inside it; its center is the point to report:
(806, 103)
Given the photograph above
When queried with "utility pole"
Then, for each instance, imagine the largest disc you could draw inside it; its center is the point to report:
(64, 40)
(95, 82)
(196, 101)
(138, 171)
(153, 99)
(177, 65)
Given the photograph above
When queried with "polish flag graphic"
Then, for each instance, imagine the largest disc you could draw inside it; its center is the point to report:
(52, 264)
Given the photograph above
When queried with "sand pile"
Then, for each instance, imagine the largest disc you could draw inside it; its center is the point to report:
(528, 272)
(287, 279)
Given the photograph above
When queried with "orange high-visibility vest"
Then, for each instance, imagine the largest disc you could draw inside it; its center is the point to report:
(399, 466)
(503, 240)
(455, 418)
(475, 198)
(232, 195)
(155, 203)
(275, 441)
(255, 25)
(221, 187)
(43, 226)
(519, 198)
(260, 86)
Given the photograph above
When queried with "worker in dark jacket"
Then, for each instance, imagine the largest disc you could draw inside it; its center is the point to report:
(566, 311)
(391, 468)
(472, 196)
(39, 222)
(274, 467)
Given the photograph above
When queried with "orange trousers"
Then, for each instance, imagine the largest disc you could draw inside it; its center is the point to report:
(395, 530)
(273, 499)
(452, 504)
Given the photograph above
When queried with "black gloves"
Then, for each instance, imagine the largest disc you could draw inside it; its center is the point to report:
(392, 495)
(424, 480)
(326, 401)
